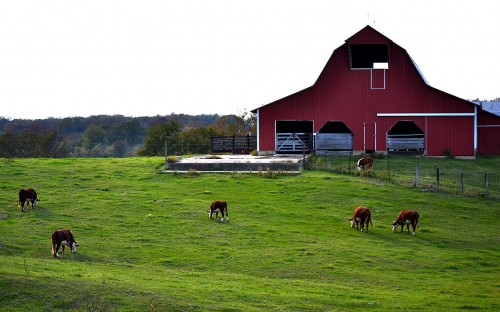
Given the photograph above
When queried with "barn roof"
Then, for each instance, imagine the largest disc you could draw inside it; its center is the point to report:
(359, 36)
(492, 107)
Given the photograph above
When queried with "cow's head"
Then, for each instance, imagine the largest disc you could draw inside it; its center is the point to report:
(35, 202)
(395, 225)
(73, 246)
(354, 221)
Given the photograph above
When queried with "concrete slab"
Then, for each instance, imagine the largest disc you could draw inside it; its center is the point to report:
(243, 163)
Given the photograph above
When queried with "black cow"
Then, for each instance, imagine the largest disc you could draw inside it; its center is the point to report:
(26, 196)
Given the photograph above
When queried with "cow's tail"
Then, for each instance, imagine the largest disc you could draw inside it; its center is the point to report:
(371, 221)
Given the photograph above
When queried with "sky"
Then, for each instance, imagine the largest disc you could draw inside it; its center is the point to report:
(67, 58)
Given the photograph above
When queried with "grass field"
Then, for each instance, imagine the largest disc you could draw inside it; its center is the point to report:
(146, 243)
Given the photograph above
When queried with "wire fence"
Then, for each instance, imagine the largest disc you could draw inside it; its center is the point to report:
(438, 175)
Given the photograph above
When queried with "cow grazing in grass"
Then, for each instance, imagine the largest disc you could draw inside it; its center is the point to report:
(216, 207)
(26, 196)
(406, 217)
(365, 163)
(361, 216)
(63, 237)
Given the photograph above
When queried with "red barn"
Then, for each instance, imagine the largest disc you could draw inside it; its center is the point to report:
(372, 97)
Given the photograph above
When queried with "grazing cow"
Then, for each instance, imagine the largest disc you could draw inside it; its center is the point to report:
(216, 207)
(65, 238)
(362, 216)
(365, 163)
(406, 217)
(26, 196)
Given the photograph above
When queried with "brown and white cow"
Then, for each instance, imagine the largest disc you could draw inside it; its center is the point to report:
(362, 215)
(406, 217)
(63, 237)
(216, 207)
(365, 163)
(26, 196)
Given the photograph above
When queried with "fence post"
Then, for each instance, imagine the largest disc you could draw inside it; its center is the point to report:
(303, 155)
(350, 158)
(437, 179)
(166, 156)
(234, 138)
(462, 180)
(416, 176)
(388, 166)
(486, 184)
(248, 143)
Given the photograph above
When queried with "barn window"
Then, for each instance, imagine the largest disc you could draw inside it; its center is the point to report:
(364, 56)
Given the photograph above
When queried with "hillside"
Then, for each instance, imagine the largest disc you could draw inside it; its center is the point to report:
(146, 242)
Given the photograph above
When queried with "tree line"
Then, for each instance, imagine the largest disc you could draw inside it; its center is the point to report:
(117, 135)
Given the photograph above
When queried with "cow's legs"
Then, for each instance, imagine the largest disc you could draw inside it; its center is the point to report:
(222, 215)
(56, 253)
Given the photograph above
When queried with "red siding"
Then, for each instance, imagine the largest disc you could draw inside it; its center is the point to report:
(344, 94)
(488, 134)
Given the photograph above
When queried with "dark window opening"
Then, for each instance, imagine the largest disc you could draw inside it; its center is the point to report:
(292, 126)
(362, 56)
(335, 127)
(405, 127)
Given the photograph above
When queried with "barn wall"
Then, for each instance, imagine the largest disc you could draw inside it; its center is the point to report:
(488, 134)
(343, 94)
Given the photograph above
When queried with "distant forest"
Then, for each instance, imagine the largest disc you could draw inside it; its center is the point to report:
(117, 135)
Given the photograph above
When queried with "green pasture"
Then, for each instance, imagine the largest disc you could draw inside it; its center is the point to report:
(146, 243)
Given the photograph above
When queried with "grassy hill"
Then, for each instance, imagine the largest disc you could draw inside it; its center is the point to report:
(146, 243)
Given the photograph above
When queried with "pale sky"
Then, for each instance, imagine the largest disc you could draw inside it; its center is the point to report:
(66, 58)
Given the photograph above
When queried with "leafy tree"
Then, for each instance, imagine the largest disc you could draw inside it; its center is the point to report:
(118, 149)
(197, 140)
(230, 125)
(93, 136)
(154, 145)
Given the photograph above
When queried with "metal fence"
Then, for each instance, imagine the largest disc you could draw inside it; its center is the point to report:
(438, 175)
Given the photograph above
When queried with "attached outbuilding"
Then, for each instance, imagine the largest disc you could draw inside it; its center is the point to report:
(372, 97)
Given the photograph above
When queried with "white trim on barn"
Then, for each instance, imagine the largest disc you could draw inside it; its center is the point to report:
(426, 114)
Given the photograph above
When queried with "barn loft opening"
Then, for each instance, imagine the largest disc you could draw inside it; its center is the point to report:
(363, 56)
